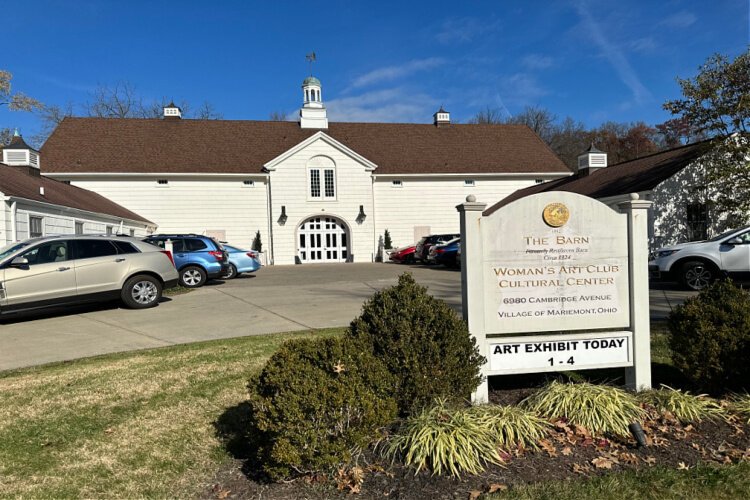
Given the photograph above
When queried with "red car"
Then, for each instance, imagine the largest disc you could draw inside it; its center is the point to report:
(404, 255)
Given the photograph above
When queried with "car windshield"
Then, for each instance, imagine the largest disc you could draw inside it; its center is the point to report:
(723, 235)
(13, 247)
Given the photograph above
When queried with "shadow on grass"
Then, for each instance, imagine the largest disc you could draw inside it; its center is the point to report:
(234, 428)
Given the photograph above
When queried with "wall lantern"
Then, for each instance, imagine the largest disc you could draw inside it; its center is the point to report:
(361, 217)
(283, 217)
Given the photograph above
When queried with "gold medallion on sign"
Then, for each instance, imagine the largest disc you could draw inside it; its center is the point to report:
(556, 214)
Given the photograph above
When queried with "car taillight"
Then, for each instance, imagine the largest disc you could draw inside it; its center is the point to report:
(251, 255)
(169, 256)
(218, 254)
(439, 250)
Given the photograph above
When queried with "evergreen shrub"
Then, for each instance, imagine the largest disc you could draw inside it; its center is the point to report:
(423, 343)
(710, 338)
(316, 402)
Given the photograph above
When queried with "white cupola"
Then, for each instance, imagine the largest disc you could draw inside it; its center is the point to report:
(441, 118)
(313, 113)
(591, 160)
(171, 111)
(20, 154)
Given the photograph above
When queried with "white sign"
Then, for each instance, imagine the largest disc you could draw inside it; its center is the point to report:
(553, 266)
(560, 352)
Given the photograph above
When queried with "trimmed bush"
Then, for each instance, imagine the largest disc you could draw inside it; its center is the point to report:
(599, 408)
(423, 343)
(445, 440)
(684, 406)
(710, 338)
(316, 402)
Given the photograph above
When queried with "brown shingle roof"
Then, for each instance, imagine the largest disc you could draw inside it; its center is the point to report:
(14, 181)
(641, 174)
(226, 146)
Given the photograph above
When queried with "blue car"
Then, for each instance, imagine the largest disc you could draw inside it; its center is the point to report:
(446, 253)
(240, 261)
(197, 258)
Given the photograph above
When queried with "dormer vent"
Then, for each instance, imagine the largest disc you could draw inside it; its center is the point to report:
(591, 160)
(441, 118)
(172, 111)
(20, 154)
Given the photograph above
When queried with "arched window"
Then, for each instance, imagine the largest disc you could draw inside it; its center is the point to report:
(321, 178)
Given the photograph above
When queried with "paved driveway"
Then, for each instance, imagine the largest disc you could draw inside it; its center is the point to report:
(277, 299)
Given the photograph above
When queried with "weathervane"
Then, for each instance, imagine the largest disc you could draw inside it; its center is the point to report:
(311, 59)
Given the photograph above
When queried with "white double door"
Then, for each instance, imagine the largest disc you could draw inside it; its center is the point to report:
(323, 239)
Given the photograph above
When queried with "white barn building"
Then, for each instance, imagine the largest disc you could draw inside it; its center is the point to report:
(316, 191)
(32, 205)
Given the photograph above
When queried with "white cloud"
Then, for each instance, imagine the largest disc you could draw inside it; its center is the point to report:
(388, 105)
(463, 30)
(537, 61)
(390, 73)
(614, 55)
(680, 20)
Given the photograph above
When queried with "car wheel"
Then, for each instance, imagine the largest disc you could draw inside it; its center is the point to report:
(141, 291)
(192, 277)
(409, 259)
(696, 275)
(231, 273)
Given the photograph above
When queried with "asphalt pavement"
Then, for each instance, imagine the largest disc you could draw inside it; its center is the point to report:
(276, 299)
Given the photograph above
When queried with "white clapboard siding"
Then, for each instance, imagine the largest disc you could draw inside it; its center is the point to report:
(431, 202)
(192, 204)
(289, 188)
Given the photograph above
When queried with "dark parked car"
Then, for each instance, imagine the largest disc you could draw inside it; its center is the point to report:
(403, 255)
(423, 247)
(445, 253)
(197, 258)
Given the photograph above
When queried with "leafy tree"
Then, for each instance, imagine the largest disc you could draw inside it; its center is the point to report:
(14, 101)
(716, 103)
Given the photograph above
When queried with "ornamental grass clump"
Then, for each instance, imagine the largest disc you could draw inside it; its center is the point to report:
(512, 426)
(741, 405)
(684, 406)
(445, 440)
(599, 408)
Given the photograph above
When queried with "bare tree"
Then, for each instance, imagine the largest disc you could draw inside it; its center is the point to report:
(207, 111)
(487, 116)
(278, 116)
(15, 101)
(538, 119)
(117, 101)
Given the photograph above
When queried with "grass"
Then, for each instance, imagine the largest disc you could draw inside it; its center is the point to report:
(125, 425)
(711, 482)
(598, 408)
(683, 405)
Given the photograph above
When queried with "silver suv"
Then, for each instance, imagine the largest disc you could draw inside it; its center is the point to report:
(63, 270)
(695, 265)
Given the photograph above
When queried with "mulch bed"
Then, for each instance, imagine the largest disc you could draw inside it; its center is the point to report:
(569, 452)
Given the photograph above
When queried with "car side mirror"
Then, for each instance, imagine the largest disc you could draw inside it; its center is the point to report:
(20, 262)
(734, 241)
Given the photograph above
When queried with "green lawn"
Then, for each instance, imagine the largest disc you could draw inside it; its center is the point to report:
(142, 424)
(124, 425)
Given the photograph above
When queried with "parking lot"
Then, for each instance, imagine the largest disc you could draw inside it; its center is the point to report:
(276, 299)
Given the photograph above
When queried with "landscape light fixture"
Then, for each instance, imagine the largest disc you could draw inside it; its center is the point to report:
(637, 431)
(283, 217)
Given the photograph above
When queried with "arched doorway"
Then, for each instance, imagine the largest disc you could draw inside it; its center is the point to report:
(323, 239)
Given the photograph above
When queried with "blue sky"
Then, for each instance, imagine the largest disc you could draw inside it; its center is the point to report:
(594, 60)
